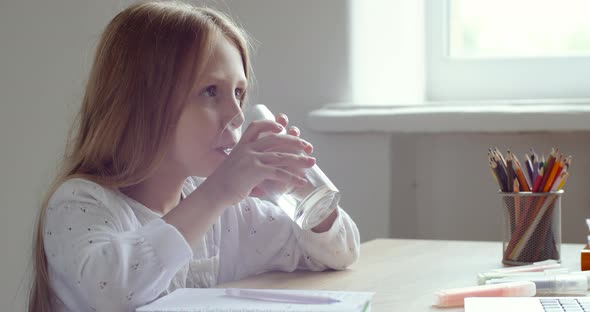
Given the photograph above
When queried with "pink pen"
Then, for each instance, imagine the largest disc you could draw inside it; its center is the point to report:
(455, 297)
(535, 267)
(273, 295)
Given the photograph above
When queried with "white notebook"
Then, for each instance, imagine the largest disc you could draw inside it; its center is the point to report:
(215, 299)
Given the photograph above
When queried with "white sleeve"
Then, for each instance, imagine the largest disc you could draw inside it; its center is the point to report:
(103, 257)
(265, 239)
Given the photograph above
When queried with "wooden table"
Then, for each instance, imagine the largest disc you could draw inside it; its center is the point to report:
(404, 273)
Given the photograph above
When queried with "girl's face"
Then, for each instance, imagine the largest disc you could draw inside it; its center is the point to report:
(213, 101)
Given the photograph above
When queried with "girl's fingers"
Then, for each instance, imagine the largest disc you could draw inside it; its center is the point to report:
(287, 160)
(283, 175)
(309, 149)
(294, 131)
(281, 143)
(276, 142)
(282, 119)
(291, 148)
(259, 126)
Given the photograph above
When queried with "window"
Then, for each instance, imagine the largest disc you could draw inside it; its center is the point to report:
(525, 49)
(523, 28)
(415, 51)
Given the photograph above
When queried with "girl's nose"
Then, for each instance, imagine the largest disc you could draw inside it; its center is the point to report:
(232, 114)
(236, 120)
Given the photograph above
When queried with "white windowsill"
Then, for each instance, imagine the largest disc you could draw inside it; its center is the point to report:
(496, 117)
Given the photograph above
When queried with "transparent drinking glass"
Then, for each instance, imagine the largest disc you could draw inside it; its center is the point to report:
(307, 205)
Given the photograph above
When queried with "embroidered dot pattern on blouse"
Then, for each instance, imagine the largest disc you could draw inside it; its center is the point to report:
(82, 223)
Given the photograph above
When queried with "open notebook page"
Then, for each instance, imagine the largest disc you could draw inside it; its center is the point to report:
(215, 299)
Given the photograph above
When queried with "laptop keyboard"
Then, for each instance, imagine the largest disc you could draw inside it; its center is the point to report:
(566, 305)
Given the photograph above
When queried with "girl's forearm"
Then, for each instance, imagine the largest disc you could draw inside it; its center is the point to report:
(327, 223)
(194, 215)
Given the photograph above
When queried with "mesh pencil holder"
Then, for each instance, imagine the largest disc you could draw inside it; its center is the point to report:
(532, 227)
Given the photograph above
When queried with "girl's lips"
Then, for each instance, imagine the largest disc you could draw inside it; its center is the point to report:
(224, 150)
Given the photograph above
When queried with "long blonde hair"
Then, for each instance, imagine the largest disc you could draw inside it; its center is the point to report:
(146, 61)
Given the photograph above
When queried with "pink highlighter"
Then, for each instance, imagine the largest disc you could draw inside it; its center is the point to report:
(454, 297)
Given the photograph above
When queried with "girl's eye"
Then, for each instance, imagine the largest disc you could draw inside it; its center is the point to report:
(210, 91)
(239, 93)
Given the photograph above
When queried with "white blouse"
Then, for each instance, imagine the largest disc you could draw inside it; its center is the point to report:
(107, 252)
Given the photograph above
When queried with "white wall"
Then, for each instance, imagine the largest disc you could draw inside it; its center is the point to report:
(452, 192)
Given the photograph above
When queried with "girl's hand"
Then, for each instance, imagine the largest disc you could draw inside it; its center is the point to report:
(283, 120)
(276, 157)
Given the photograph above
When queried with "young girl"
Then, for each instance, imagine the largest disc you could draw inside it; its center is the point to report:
(128, 220)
